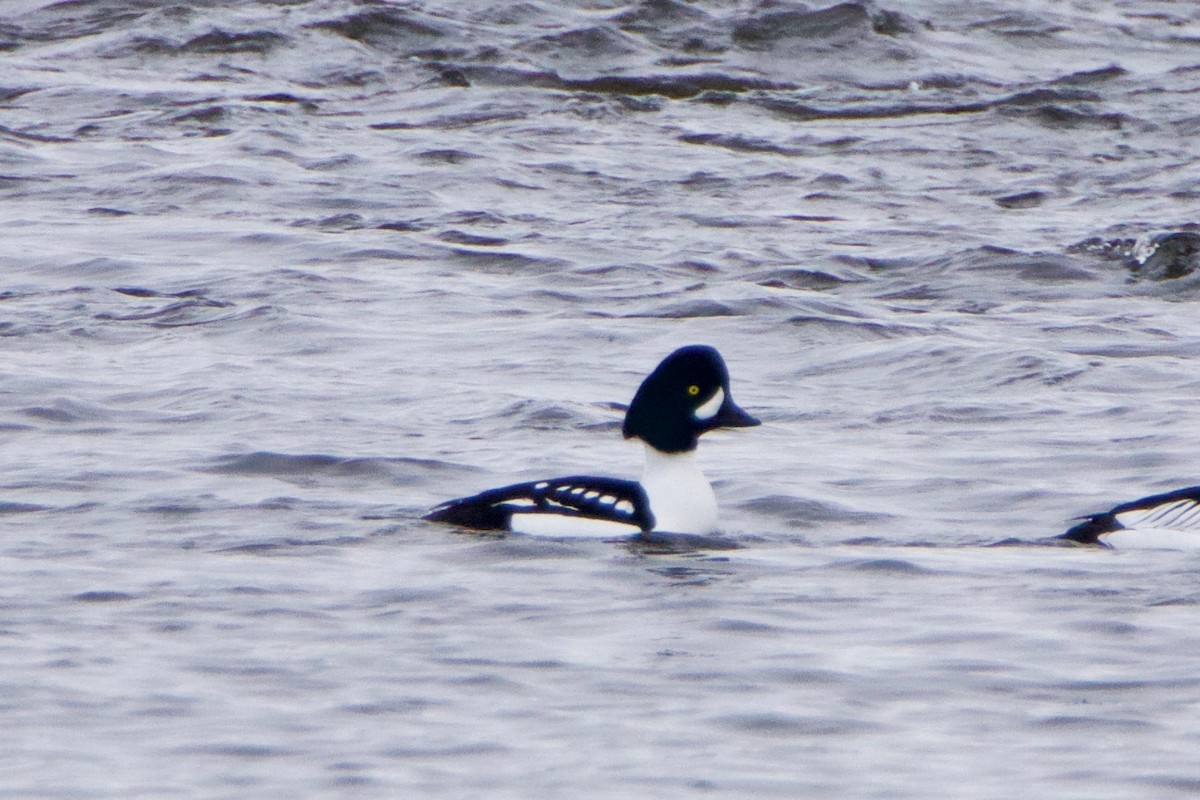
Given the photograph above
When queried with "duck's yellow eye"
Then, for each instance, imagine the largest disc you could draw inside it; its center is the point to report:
(693, 390)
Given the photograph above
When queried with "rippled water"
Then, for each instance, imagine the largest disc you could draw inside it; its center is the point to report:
(277, 277)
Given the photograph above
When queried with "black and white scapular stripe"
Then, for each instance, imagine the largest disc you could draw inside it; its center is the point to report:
(685, 396)
(580, 498)
(1169, 520)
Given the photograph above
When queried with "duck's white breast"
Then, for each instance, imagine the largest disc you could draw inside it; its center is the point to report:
(681, 498)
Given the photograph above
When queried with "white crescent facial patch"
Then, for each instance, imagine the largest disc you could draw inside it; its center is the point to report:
(711, 406)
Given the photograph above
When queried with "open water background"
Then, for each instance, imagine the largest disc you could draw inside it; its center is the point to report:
(278, 276)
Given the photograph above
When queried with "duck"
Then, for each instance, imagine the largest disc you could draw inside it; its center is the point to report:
(684, 397)
(1170, 520)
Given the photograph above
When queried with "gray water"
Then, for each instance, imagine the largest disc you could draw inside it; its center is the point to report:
(277, 277)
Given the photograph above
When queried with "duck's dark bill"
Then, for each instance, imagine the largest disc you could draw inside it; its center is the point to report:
(731, 416)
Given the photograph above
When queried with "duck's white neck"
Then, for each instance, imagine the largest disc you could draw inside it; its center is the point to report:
(681, 498)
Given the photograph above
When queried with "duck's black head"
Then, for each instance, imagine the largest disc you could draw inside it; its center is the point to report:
(685, 396)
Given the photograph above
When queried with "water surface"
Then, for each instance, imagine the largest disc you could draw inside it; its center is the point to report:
(280, 276)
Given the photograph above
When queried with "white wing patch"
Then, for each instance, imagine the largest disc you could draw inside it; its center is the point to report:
(520, 502)
(1179, 515)
(570, 507)
(1152, 539)
(562, 526)
(711, 406)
